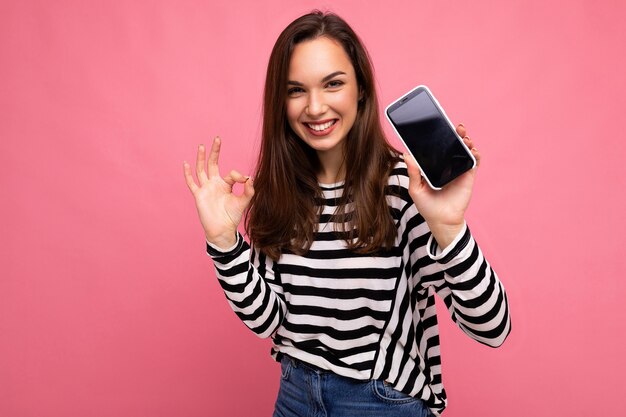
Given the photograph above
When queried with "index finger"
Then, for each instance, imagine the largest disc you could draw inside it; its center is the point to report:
(214, 156)
(460, 129)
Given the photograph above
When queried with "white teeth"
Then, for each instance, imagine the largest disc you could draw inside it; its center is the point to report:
(320, 127)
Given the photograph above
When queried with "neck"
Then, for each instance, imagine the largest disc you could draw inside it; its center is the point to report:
(332, 167)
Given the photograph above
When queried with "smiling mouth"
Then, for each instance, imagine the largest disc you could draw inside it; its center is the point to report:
(321, 128)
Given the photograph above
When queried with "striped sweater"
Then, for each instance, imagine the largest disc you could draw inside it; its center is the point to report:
(368, 316)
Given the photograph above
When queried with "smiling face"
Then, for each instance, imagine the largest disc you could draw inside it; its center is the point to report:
(322, 96)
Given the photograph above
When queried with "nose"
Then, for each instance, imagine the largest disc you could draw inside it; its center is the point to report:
(315, 105)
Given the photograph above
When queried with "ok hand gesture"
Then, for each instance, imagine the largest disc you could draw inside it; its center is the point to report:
(219, 209)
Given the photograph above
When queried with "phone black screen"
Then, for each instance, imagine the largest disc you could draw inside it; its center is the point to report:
(429, 137)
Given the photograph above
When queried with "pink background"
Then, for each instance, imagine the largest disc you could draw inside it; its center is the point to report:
(108, 304)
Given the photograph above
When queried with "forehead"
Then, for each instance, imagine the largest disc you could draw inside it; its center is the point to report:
(312, 60)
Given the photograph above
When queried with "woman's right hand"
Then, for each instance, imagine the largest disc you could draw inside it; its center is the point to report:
(219, 209)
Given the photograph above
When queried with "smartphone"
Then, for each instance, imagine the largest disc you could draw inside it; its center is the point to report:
(423, 127)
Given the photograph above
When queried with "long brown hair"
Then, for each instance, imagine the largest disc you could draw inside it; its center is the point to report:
(283, 214)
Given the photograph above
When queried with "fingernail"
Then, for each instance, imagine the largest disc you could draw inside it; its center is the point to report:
(461, 125)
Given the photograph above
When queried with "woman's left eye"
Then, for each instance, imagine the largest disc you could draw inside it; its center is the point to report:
(334, 84)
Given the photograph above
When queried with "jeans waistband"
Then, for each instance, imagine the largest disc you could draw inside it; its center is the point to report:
(301, 364)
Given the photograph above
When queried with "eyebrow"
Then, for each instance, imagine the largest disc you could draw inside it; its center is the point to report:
(326, 78)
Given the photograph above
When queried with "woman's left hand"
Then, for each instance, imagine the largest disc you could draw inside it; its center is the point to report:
(443, 210)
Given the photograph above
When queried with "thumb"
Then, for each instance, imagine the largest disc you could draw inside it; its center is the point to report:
(412, 167)
(416, 183)
(248, 190)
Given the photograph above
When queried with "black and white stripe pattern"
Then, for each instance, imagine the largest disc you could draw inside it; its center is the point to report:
(364, 316)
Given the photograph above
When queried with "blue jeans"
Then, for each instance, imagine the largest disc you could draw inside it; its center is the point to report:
(306, 391)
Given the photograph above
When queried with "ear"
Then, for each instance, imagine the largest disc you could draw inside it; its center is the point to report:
(361, 94)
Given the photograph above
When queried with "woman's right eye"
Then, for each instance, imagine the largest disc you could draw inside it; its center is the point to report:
(294, 91)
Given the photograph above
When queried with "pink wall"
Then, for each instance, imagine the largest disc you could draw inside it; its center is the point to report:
(108, 305)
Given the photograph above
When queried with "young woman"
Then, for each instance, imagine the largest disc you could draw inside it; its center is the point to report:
(349, 244)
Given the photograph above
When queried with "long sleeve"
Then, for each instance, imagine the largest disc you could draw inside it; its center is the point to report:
(472, 291)
(462, 277)
(459, 274)
(251, 286)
